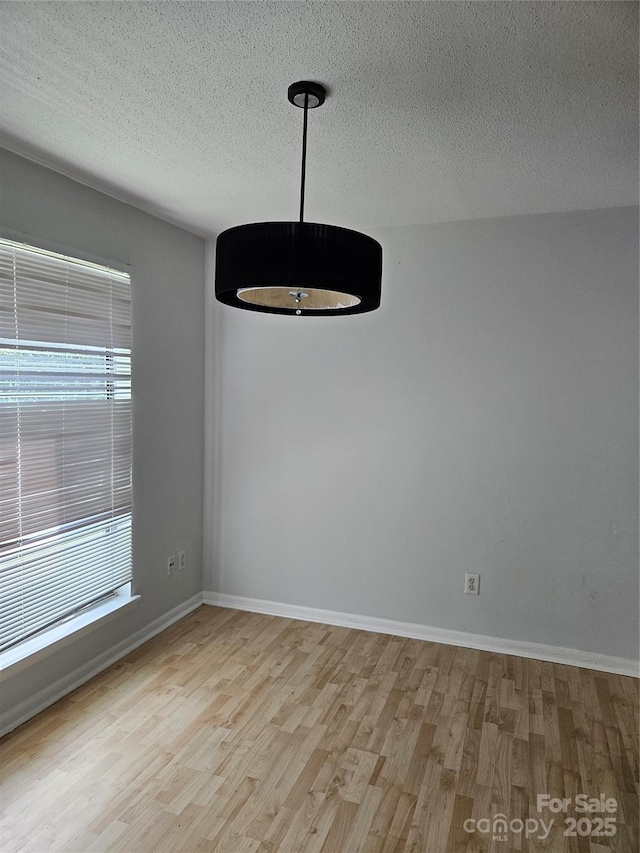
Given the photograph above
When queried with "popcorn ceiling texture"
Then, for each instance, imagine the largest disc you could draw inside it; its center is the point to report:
(436, 110)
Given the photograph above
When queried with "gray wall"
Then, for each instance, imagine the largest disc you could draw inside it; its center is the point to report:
(484, 420)
(167, 269)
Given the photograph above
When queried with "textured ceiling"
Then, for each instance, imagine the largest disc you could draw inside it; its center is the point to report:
(437, 110)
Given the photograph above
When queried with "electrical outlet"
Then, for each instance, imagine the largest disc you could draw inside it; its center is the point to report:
(171, 565)
(182, 561)
(471, 584)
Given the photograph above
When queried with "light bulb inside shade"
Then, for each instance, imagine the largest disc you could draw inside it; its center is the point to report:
(284, 297)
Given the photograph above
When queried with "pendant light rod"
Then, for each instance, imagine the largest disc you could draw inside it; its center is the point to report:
(304, 154)
(307, 96)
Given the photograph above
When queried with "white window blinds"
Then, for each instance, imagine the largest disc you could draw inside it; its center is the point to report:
(65, 436)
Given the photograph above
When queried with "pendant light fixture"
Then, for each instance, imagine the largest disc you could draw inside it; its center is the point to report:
(299, 268)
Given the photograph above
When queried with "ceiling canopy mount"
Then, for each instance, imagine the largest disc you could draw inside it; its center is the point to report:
(313, 93)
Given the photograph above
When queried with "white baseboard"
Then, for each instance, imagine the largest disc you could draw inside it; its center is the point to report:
(520, 648)
(14, 717)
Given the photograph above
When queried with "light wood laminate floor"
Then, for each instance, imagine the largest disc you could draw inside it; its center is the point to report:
(246, 733)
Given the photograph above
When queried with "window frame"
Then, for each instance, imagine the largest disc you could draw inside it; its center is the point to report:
(49, 640)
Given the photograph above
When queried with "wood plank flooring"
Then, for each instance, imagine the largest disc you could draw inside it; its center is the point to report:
(246, 733)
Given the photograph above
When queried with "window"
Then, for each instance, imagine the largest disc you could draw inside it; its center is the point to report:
(65, 437)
